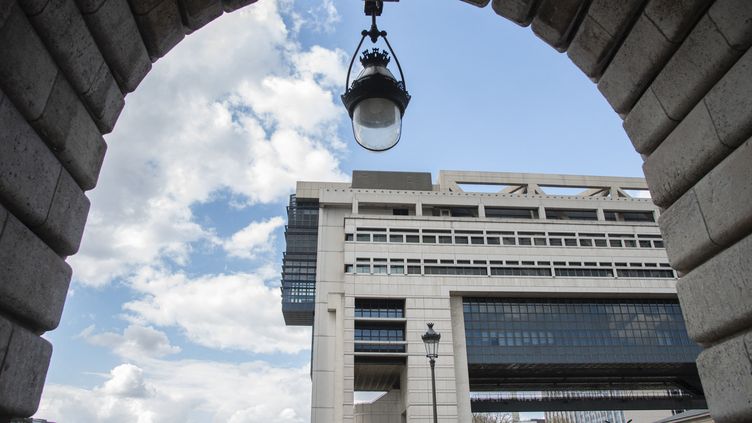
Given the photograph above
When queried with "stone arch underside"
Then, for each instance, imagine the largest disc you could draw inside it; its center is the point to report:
(679, 73)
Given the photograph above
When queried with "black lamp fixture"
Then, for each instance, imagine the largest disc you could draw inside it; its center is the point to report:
(376, 101)
(431, 340)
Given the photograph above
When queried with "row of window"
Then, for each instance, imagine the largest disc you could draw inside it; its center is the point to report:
(507, 238)
(576, 338)
(458, 270)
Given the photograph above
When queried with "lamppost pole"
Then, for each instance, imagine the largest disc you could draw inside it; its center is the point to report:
(433, 389)
(431, 340)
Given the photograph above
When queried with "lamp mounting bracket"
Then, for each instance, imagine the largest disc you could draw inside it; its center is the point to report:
(374, 7)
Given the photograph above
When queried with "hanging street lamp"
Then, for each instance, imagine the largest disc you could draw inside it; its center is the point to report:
(376, 101)
(431, 340)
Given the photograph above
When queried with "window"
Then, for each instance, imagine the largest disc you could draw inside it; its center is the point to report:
(413, 270)
(658, 244)
(570, 242)
(429, 239)
(571, 214)
(600, 243)
(511, 213)
(525, 241)
(586, 242)
(400, 212)
(379, 237)
(645, 273)
(445, 239)
(476, 240)
(630, 243)
(379, 269)
(493, 240)
(460, 240)
(554, 242)
(645, 244)
(364, 237)
(509, 241)
(363, 268)
(412, 238)
(396, 237)
(584, 272)
(539, 241)
(348, 237)
(348, 268)
(614, 242)
(379, 308)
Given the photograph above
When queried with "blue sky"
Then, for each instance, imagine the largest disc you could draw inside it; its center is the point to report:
(173, 313)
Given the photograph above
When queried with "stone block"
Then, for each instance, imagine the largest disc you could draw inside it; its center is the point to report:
(28, 170)
(725, 196)
(730, 103)
(600, 34)
(638, 60)
(556, 21)
(27, 71)
(647, 124)
(697, 65)
(716, 297)
(479, 3)
(71, 134)
(687, 154)
(104, 100)
(232, 5)
(726, 373)
(688, 242)
(23, 371)
(160, 25)
(34, 280)
(675, 18)
(65, 222)
(520, 12)
(114, 29)
(734, 19)
(64, 32)
(197, 13)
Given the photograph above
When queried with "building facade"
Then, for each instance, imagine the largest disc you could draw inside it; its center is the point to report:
(530, 289)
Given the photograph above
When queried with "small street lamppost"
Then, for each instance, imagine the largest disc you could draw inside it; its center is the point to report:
(376, 101)
(431, 341)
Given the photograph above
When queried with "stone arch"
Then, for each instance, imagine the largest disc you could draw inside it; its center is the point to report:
(677, 72)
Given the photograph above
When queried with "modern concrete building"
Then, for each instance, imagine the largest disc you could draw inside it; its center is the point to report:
(531, 291)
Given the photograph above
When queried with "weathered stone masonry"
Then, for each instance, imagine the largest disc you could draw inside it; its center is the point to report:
(679, 72)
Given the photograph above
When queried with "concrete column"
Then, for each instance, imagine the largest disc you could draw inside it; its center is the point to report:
(481, 210)
(601, 215)
(419, 208)
(461, 376)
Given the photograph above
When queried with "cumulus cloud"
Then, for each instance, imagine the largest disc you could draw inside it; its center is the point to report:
(136, 342)
(204, 123)
(227, 311)
(255, 238)
(127, 381)
(186, 391)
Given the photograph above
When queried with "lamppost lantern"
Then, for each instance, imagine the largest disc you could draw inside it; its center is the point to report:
(431, 340)
(376, 100)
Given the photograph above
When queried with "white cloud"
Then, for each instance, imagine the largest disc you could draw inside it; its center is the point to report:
(136, 342)
(234, 311)
(203, 122)
(255, 238)
(185, 391)
(127, 381)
